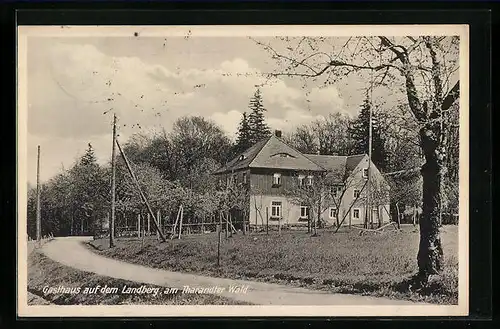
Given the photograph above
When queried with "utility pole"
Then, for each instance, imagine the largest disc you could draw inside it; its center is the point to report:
(38, 215)
(113, 187)
(368, 196)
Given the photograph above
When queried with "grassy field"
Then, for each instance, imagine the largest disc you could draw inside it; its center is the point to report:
(43, 272)
(345, 262)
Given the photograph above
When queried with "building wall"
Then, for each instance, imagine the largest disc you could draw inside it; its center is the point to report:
(261, 180)
(263, 193)
(291, 212)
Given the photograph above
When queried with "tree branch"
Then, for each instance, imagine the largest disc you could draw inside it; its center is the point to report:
(452, 96)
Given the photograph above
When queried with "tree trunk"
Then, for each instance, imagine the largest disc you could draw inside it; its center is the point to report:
(430, 253)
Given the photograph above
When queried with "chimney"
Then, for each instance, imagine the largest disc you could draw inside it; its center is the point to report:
(277, 133)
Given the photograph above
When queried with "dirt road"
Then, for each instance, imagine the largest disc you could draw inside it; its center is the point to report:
(72, 252)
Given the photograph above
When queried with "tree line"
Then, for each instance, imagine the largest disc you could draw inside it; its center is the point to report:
(175, 168)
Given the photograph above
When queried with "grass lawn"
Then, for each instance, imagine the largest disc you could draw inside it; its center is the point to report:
(345, 262)
(43, 272)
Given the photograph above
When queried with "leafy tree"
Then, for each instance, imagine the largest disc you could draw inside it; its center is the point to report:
(303, 139)
(421, 70)
(88, 193)
(196, 140)
(326, 136)
(359, 132)
(256, 120)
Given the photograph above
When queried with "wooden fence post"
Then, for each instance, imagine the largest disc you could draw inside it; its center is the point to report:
(267, 220)
(219, 238)
(158, 213)
(149, 224)
(139, 225)
(244, 222)
(180, 223)
(227, 226)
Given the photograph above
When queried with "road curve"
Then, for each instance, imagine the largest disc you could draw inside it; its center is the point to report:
(71, 252)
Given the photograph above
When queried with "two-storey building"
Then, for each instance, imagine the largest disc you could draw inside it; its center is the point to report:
(271, 168)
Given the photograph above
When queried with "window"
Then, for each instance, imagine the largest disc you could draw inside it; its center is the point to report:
(242, 157)
(356, 193)
(283, 155)
(277, 179)
(309, 180)
(301, 180)
(335, 190)
(333, 212)
(304, 212)
(365, 172)
(276, 209)
(244, 178)
(355, 213)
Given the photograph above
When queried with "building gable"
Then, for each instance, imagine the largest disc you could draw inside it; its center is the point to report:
(276, 154)
(243, 159)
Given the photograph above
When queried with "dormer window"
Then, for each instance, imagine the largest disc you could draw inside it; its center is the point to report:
(242, 157)
(282, 155)
(276, 179)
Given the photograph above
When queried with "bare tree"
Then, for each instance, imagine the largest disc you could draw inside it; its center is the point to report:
(423, 70)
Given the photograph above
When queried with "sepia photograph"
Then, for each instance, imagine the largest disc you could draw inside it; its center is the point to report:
(243, 170)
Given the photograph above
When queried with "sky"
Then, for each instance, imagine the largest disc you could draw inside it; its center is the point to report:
(150, 82)
(76, 83)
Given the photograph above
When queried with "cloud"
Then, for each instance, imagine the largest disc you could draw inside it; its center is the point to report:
(228, 121)
(72, 85)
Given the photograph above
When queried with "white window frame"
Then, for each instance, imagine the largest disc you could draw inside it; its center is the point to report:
(274, 213)
(306, 211)
(310, 179)
(330, 212)
(301, 180)
(335, 190)
(244, 177)
(359, 213)
(365, 173)
(276, 179)
(354, 193)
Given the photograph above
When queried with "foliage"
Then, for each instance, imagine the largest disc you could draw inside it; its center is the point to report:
(328, 136)
(359, 132)
(421, 71)
(244, 138)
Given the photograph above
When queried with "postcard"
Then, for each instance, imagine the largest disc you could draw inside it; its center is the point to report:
(271, 171)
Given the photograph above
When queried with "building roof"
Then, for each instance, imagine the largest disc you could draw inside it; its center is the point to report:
(338, 165)
(353, 161)
(272, 152)
(277, 154)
